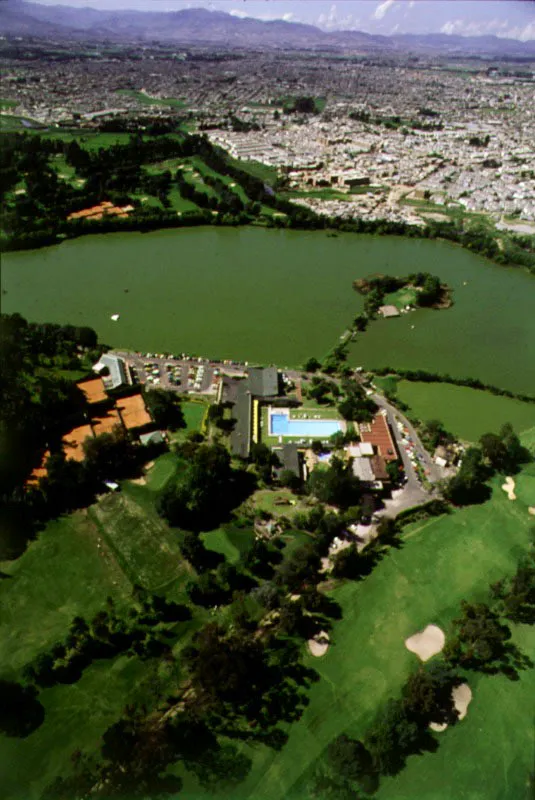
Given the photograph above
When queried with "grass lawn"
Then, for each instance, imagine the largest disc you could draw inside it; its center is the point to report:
(279, 502)
(193, 416)
(441, 562)
(467, 413)
(401, 298)
(230, 541)
(386, 383)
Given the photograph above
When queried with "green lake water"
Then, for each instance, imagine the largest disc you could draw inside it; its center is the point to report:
(279, 297)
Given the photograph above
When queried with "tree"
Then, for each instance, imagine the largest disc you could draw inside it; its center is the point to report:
(290, 480)
(336, 485)
(479, 638)
(356, 405)
(427, 695)
(111, 455)
(311, 365)
(468, 485)
(193, 549)
(518, 595)
(165, 409)
(345, 770)
(20, 710)
(392, 737)
(204, 491)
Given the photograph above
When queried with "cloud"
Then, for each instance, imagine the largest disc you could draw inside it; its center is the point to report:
(495, 27)
(290, 17)
(237, 12)
(382, 9)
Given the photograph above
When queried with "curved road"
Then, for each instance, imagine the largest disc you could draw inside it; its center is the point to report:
(413, 493)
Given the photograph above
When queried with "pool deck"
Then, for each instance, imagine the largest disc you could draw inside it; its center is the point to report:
(303, 415)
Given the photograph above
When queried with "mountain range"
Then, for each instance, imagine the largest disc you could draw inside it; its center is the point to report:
(198, 26)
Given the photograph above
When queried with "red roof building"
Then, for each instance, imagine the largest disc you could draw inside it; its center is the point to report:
(377, 432)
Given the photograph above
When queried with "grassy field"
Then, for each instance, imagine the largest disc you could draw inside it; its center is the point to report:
(41, 595)
(146, 550)
(441, 562)
(467, 413)
(401, 298)
(71, 568)
(230, 541)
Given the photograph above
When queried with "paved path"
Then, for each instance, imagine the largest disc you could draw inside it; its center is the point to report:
(413, 493)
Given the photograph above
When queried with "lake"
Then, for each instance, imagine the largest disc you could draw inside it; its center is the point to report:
(271, 296)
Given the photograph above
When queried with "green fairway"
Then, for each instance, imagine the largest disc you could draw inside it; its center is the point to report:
(441, 562)
(488, 756)
(62, 574)
(163, 469)
(467, 413)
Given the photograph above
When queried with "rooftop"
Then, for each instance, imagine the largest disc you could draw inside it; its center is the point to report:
(117, 371)
(263, 381)
(377, 432)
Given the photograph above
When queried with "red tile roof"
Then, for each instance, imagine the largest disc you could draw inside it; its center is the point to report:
(377, 432)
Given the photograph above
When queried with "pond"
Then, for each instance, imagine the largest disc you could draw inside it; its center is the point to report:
(270, 296)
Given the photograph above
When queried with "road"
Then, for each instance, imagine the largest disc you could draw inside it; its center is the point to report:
(413, 493)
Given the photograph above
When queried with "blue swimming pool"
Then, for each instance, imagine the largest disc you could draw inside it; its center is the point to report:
(282, 425)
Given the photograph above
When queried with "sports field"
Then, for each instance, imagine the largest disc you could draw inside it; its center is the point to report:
(441, 562)
(146, 550)
(467, 413)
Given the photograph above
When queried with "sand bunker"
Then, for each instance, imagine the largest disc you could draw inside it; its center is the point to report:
(462, 696)
(531, 510)
(426, 643)
(438, 726)
(319, 645)
(509, 488)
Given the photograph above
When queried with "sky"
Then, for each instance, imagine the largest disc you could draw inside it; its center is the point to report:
(509, 18)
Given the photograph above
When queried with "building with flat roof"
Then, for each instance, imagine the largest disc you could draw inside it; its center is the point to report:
(389, 311)
(263, 381)
(113, 370)
(290, 458)
(240, 438)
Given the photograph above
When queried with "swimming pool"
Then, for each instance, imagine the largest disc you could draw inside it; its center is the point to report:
(282, 425)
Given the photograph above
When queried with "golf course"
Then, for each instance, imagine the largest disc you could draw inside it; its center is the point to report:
(81, 559)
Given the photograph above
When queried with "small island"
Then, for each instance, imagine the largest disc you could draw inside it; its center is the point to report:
(391, 295)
